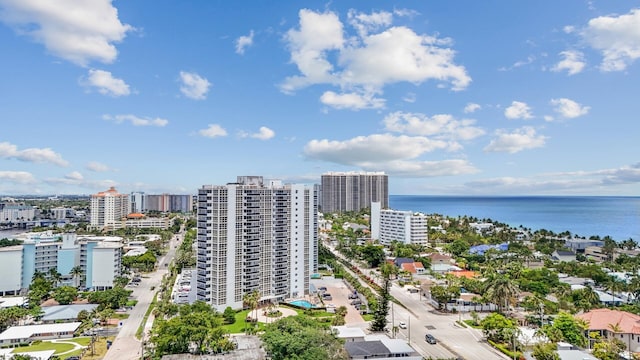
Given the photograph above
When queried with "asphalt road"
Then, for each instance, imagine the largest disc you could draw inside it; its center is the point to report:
(126, 346)
(453, 341)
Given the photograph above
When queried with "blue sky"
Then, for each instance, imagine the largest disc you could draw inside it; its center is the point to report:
(457, 97)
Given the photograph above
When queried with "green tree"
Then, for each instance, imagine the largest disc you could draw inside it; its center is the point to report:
(572, 329)
(39, 290)
(299, 337)
(65, 294)
(494, 325)
(197, 328)
(545, 351)
(229, 315)
(608, 349)
(111, 298)
(501, 290)
(76, 272)
(444, 294)
(379, 322)
(373, 255)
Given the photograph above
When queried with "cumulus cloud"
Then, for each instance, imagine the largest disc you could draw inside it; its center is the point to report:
(213, 131)
(471, 107)
(372, 148)
(518, 110)
(136, 120)
(351, 101)
(573, 62)
(77, 31)
(106, 84)
(194, 86)
(244, 42)
(97, 166)
(397, 155)
(519, 63)
(36, 155)
(616, 37)
(263, 134)
(377, 56)
(19, 177)
(365, 23)
(568, 108)
(440, 126)
(516, 141)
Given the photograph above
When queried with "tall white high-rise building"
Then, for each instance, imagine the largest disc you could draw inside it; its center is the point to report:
(108, 208)
(353, 191)
(138, 204)
(396, 225)
(255, 236)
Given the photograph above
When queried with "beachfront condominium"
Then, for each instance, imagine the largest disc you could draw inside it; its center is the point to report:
(407, 227)
(108, 208)
(353, 191)
(255, 235)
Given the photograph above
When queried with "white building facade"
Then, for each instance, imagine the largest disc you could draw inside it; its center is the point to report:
(108, 208)
(255, 236)
(394, 225)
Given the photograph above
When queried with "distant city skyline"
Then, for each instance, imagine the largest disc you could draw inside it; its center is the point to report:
(447, 98)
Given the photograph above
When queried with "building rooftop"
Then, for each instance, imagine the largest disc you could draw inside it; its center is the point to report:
(601, 319)
(349, 332)
(65, 312)
(24, 332)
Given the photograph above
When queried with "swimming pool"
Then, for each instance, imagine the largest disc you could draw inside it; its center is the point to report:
(302, 303)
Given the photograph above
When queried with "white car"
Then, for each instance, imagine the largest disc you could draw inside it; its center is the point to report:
(402, 325)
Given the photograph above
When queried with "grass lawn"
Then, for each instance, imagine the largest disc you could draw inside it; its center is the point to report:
(58, 347)
(367, 317)
(470, 323)
(240, 325)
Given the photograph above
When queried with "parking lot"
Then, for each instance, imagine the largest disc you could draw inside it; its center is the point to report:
(339, 297)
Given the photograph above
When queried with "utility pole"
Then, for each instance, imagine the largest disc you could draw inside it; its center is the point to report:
(409, 330)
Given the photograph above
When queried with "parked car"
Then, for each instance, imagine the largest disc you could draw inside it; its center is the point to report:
(322, 288)
(430, 339)
(402, 325)
(353, 296)
(356, 302)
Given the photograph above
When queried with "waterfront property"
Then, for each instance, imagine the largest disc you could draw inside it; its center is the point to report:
(406, 227)
(353, 191)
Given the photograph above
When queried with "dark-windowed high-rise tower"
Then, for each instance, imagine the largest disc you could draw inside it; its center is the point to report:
(353, 191)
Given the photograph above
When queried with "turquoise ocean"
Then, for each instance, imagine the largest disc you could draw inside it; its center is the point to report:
(618, 217)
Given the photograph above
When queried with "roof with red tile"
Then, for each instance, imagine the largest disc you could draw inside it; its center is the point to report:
(602, 319)
(464, 273)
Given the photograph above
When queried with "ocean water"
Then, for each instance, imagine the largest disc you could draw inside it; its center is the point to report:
(618, 217)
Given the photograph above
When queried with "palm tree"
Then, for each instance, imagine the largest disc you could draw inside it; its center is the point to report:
(250, 299)
(76, 272)
(500, 290)
(55, 276)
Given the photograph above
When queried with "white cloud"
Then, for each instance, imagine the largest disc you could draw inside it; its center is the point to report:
(194, 86)
(410, 98)
(365, 23)
(78, 31)
(569, 29)
(74, 176)
(369, 61)
(616, 37)
(351, 101)
(135, 120)
(372, 148)
(243, 42)
(570, 181)
(518, 110)
(213, 131)
(403, 168)
(573, 62)
(568, 108)
(318, 34)
(395, 154)
(471, 107)
(263, 134)
(516, 141)
(440, 126)
(36, 155)
(106, 83)
(19, 177)
(519, 63)
(97, 166)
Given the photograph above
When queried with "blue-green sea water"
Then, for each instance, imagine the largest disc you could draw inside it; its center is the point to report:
(618, 217)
